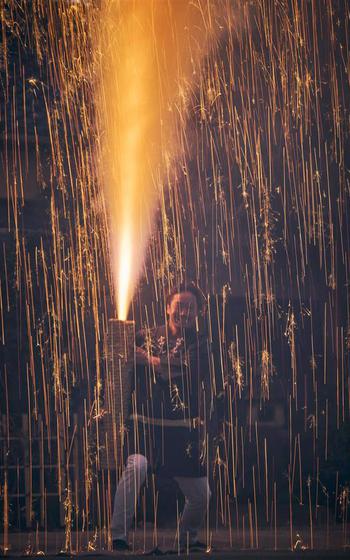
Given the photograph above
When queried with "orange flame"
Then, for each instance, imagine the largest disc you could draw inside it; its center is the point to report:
(147, 54)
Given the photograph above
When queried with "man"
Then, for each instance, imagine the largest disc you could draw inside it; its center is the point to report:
(171, 408)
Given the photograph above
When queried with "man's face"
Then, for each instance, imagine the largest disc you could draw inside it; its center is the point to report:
(182, 311)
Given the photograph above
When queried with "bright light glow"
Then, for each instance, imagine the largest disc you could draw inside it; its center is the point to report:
(124, 270)
(146, 53)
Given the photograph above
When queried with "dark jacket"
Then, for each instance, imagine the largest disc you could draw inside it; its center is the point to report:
(171, 407)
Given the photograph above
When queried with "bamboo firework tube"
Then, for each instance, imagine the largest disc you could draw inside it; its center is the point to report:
(117, 393)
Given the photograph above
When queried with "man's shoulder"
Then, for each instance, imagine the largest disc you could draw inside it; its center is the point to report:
(198, 338)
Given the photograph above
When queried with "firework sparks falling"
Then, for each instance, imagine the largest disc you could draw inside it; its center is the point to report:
(258, 201)
(149, 55)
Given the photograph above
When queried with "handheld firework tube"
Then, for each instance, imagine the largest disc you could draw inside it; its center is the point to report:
(117, 393)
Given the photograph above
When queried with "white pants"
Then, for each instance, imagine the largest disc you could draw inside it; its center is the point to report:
(196, 491)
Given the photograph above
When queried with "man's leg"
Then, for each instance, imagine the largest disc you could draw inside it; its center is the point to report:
(126, 496)
(197, 495)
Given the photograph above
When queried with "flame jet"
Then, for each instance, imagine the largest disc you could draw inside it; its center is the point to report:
(147, 58)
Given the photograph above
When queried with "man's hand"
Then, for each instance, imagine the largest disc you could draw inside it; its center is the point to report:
(145, 359)
(141, 356)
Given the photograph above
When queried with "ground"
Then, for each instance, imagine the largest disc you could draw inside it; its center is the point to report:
(334, 543)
